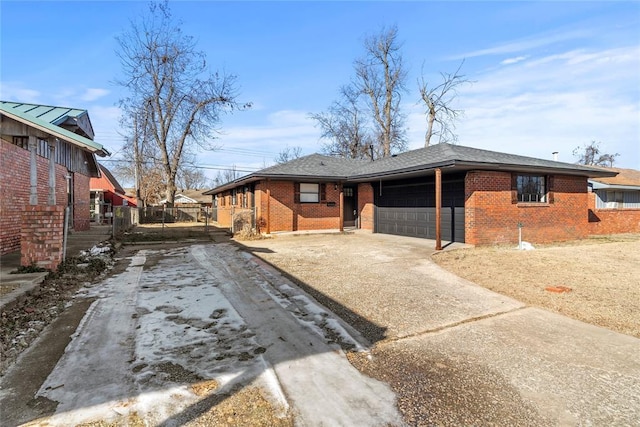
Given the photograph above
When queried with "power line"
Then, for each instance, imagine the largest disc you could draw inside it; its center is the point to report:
(212, 167)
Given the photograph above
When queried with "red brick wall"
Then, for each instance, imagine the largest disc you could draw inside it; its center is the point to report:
(491, 217)
(42, 236)
(15, 187)
(81, 208)
(289, 216)
(366, 206)
(612, 221)
(320, 216)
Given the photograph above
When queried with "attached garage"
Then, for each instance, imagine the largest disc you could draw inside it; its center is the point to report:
(408, 208)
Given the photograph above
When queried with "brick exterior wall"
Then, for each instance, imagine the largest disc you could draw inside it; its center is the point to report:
(612, 221)
(491, 217)
(366, 208)
(286, 215)
(15, 187)
(41, 237)
(81, 208)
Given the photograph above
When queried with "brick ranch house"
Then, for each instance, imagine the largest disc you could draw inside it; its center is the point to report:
(444, 191)
(47, 157)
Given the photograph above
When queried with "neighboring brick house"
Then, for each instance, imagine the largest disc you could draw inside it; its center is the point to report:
(105, 194)
(463, 194)
(47, 157)
(614, 203)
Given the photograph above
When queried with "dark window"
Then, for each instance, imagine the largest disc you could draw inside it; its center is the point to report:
(531, 188)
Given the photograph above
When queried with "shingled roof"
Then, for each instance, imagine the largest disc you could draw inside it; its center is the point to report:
(418, 162)
(627, 178)
(465, 158)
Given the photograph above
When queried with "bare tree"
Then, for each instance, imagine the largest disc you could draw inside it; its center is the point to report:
(172, 88)
(344, 125)
(288, 153)
(191, 178)
(225, 176)
(438, 100)
(380, 76)
(589, 154)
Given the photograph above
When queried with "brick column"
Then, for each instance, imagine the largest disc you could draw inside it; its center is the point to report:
(41, 236)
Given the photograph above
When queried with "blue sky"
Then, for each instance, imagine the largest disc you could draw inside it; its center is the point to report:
(548, 76)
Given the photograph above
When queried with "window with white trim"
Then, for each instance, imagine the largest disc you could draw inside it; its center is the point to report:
(309, 193)
(531, 188)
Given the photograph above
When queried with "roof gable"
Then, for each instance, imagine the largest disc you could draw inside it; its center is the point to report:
(112, 179)
(50, 120)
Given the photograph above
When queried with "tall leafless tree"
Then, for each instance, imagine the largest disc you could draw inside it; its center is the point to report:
(380, 76)
(171, 85)
(590, 154)
(438, 100)
(343, 125)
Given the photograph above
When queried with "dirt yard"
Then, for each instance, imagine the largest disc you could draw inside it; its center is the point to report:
(602, 276)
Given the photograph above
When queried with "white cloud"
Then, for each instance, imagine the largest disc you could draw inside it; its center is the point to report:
(254, 147)
(556, 103)
(15, 91)
(515, 60)
(92, 94)
(525, 44)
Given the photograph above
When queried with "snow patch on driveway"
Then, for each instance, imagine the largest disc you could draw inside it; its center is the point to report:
(209, 314)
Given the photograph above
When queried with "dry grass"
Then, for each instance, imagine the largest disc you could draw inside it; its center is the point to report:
(603, 274)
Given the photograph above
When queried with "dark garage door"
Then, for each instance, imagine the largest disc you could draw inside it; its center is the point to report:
(408, 209)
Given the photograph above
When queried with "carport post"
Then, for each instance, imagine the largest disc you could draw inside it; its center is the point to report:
(438, 208)
(341, 208)
(268, 207)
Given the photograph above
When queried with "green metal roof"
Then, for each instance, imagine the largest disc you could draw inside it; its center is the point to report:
(47, 119)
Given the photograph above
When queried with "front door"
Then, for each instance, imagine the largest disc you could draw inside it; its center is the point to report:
(350, 206)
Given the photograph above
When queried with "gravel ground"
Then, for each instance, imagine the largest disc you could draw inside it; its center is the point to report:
(602, 273)
(434, 389)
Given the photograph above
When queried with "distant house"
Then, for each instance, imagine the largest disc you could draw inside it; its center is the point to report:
(615, 202)
(444, 191)
(106, 193)
(193, 198)
(48, 157)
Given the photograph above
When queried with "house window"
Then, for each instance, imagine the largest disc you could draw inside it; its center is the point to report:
(531, 188)
(234, 197)
(309, 193)
(614, 199)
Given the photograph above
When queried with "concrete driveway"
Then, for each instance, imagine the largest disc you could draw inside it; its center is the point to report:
(455, 353)
(180, 331)
(278, 314)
